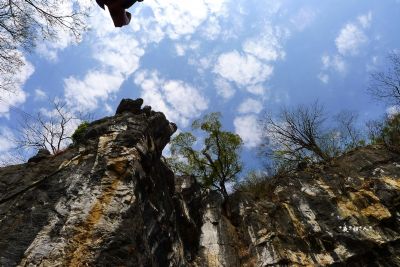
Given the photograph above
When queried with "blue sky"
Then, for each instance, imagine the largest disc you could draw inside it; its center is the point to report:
(189, 58)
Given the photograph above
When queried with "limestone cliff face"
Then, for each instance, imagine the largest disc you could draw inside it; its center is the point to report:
(112, 202)
(344, 213)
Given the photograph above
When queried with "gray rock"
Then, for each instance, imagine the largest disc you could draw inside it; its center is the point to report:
(41, 154)
(112, 202)
(129, 105)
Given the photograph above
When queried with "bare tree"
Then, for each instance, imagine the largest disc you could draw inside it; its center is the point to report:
(49, 129)
(297, 133)
(350, 136)
(23, 22)
(304, 134)
(385, 85)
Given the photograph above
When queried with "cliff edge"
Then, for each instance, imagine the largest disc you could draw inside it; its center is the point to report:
(111, 201)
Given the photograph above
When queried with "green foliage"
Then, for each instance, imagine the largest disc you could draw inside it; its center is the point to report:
(387, 133)
(77, 136)
(216, 163)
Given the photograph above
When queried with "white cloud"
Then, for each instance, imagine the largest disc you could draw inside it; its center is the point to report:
(64, 38)
(249, 130)
(212, 29)
(268, 46)
(50, 50)
(352, 36)
(6, 139)
(224, 88)
(257, 89)
(83, 95)
(323, 77)
(182, 48)
(7, 144)
(242, 69)
(15, 95)
(329, 63)
(40, 94)
(178, 100)
(334, 62)
(304, 18)
(365, 20)
(250, 105)
(119, 50)
(177, 19)
(120, 53)
(350, 39)
(119, 56)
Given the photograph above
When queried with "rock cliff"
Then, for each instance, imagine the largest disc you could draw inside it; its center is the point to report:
(111, 201)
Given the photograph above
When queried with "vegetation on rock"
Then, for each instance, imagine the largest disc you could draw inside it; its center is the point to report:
(216, 163)
(78, 135)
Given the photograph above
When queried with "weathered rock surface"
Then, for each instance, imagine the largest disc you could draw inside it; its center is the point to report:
(346, 213)
(111, 201)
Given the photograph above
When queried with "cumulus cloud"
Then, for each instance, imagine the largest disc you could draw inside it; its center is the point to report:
(119, 57)
(352, 36)
(119, 53)
(257, 89)
(242, 69)
(7, 144)
(323, 77)
(212, 29)
(40, 94)
(179, 101)
(83, 95)
(50, 49)
(350, 39)
(6, 139)
(303, 18)
(14, 95)
(249, 130)
(224, 88)
(365, 20)
(269, 46)
(250, 105)
(182, 48)
(176, 19)
(333, 62)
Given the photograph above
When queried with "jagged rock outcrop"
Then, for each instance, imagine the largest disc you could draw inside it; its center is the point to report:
(107, 202)
(346, 213)
(111, 201)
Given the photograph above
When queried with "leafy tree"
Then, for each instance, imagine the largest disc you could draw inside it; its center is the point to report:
(216, 163)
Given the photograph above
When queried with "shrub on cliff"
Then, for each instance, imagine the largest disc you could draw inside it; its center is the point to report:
(386, 132)
(78, 135)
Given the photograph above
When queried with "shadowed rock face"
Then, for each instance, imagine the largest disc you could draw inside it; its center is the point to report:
(111, 201)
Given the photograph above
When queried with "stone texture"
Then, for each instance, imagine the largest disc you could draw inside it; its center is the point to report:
(129, 105)
(345, 213)
(111, 201)
(41, 154)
